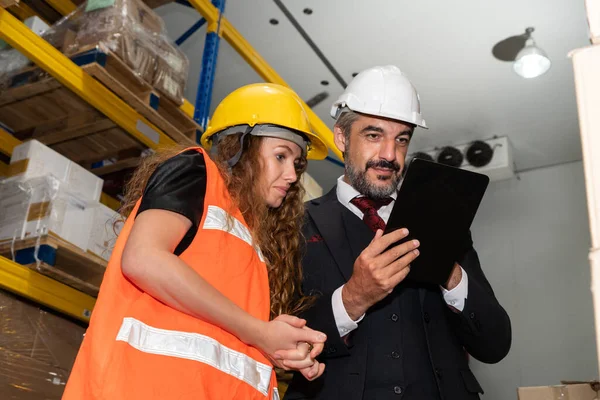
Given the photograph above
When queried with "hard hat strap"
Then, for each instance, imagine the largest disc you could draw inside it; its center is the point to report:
(236, 158)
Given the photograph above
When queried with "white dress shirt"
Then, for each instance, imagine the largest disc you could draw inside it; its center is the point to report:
(455, 297)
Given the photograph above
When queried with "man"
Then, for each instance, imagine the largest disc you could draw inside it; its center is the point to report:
(388, 338)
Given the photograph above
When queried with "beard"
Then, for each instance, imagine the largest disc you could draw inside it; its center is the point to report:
(359, 180)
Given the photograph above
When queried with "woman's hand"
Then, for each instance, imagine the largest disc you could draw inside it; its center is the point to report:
(279, 339)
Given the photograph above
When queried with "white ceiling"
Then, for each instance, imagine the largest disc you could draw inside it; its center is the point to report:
(444, 48)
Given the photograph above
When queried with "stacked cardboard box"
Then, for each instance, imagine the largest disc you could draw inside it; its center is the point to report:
(45, 193)
(33, 159)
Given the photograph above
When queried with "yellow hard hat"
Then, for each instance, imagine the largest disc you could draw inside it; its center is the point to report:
(265, 104)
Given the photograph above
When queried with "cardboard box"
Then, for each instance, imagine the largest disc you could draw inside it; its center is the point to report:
(32, 159)
(576, 391)
(41, 206)
(106, 226)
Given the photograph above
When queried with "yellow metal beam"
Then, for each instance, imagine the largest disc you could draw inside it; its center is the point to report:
(46, 291)
(188, 108)
(72, 76)
(7, 142)
(64, 7)
(259, 64)
(110, 202)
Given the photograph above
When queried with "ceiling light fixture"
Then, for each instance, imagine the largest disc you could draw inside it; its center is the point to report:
(531, 61)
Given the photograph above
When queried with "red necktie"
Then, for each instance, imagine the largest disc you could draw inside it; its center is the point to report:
(369, 208)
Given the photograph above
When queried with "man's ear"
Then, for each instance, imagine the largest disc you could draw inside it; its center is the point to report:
(339, 138)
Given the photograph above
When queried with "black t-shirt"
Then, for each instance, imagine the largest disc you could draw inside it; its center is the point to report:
(178, 185)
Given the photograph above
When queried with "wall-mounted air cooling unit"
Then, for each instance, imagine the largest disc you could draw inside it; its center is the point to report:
(493, 157)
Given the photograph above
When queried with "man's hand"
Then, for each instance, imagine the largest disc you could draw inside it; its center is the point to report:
(455, 277)
(377, 272)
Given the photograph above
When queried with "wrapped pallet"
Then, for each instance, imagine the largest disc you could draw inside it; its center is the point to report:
(171, 72)
(33, 159)
(137, 35)
(43, 206)
(37, 350)
(127, 28)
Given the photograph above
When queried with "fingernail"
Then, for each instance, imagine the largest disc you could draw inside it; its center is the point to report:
(415, 242)
(278, 357)
(405, 231)
(321, 337)
(416, 252)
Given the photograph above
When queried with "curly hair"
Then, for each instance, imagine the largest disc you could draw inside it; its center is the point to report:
(276, 231)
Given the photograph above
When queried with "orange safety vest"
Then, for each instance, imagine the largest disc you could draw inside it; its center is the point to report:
(139, 348)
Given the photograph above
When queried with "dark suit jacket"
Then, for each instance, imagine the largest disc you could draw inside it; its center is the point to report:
(334, 239)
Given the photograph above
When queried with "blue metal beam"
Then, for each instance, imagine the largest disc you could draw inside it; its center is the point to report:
(185, 36)
(209, 65)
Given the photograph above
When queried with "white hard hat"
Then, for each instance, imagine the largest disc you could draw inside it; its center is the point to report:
(383, 92)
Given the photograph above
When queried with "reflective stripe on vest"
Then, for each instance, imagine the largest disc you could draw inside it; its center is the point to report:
(196, 347)
(216, 218)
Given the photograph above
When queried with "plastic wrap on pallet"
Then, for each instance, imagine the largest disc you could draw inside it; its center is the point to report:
(43, 206)
(14, 64)
(37, 350)
(129, 29)
(171, 74)
(137, 35)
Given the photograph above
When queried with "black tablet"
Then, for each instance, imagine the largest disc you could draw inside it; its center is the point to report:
(437, 204)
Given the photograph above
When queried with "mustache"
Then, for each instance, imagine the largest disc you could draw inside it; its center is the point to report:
(394, 166)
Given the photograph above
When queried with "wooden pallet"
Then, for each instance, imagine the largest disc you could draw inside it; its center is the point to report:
(39, 107)
(113, 73)
(59, 260)
(51, 113)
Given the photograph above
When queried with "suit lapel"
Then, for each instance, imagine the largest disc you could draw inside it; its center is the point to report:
(328, 218)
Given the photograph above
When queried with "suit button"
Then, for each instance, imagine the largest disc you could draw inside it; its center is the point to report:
(472, 315)
(397, 390)
(395, 355)
(332, 349)
(394, 317)
(426, 317)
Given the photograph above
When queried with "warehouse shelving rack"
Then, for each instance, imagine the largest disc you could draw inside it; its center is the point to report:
(46, 291)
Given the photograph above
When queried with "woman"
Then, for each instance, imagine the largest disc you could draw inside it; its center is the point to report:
(208, 255)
